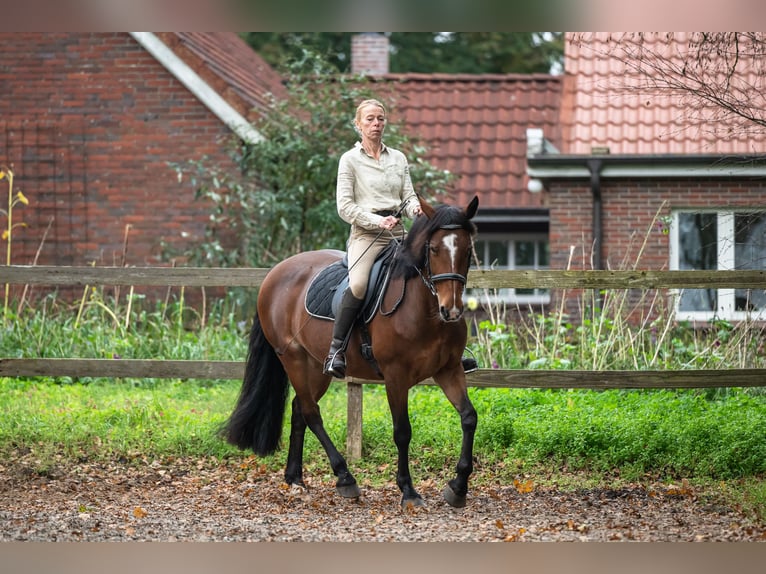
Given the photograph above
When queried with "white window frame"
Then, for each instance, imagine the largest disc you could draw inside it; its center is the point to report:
(540, 297)
(726, 304)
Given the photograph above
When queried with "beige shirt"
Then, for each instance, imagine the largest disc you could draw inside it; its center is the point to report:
(366, 185)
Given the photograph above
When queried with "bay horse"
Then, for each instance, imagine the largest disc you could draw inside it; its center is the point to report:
(424, 337)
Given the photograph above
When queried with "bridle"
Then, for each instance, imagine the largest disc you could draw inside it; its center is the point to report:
(429, 278)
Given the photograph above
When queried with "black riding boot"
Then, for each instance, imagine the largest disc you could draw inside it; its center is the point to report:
(335, 363)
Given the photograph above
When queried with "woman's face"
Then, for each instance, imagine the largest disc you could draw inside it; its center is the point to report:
(371, 122)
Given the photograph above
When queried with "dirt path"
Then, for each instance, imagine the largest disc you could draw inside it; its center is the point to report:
(204, 501)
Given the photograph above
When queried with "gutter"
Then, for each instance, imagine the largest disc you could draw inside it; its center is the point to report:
(197, 86)
(558, 166)
(594, 166)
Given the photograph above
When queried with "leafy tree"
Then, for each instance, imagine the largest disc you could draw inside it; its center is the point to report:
(426, 52)
(475, 52)
(283, 201)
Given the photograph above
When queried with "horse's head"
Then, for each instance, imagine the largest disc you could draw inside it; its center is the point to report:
(441, 245)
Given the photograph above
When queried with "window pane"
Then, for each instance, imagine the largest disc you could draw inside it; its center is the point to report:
(525, 254)
(544, 259)
(498, 255)
(697, 250)
(750, 253)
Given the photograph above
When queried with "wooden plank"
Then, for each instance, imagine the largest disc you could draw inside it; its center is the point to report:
(354, 421)
(488, 378)
(637, 279)
(140, 276)
(252, 277)
(556, 379)
(122, 368)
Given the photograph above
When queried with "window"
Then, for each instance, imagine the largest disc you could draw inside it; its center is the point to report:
(719, 240)
(522, 252)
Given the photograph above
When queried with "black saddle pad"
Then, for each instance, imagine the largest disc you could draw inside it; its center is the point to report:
(326, 289)
(322, 290)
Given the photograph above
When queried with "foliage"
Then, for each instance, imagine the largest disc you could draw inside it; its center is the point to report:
(284, 200)
(13, 200)
(426, 52)
(607, 336)
(101, 328)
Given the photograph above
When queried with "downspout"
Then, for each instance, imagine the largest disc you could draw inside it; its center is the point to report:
(594, 166)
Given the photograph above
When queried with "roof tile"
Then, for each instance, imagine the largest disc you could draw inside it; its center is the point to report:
(475, 127)
(603, 110)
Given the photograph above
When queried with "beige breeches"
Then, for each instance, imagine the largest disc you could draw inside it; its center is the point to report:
(363, 247)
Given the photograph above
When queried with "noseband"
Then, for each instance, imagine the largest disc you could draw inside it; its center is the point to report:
(429, 279)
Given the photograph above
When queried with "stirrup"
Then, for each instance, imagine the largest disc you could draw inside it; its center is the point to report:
(470, 364)
(331, 368)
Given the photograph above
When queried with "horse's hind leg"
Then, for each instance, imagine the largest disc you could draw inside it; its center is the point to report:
(306, 399)
(294, 468)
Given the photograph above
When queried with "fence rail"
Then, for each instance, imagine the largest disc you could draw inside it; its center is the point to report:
(491, 378)
(496, 278)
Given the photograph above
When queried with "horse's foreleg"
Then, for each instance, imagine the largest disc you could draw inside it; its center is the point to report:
(294, 468)
(457, 488)
(402, 437)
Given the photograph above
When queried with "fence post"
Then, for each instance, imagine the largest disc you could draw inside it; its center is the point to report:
(353, 420)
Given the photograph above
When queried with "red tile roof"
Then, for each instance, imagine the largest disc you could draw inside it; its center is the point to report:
(600, 111)
(230, 66)
(474, 125)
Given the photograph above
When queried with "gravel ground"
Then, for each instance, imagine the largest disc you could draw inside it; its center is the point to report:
(209, 501)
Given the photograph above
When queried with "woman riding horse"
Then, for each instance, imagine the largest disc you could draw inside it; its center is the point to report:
(373, 188)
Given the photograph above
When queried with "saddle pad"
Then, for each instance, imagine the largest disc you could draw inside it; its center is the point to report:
(322, 290)
(326, 290)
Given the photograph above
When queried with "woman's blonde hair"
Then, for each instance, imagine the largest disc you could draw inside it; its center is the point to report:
(370, 102)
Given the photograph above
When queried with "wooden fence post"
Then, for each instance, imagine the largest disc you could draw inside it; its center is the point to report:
(354, 420)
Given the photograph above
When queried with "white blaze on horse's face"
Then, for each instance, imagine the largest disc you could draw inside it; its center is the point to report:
(454, 311)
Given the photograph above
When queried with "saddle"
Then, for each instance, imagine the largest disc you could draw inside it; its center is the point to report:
(326, 289)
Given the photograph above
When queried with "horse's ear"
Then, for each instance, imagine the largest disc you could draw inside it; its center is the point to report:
(428, 211)
(470, 211)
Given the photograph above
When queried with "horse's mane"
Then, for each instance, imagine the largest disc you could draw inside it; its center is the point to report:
(412, 254)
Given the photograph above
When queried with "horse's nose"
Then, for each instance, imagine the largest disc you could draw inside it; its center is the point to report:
(451, 314)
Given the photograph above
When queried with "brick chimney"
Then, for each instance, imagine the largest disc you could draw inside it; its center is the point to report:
(369, 54)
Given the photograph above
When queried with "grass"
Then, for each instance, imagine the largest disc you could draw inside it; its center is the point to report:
(715, 439)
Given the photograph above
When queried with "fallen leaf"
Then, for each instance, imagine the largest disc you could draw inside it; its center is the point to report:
(523, 487)
(139, 512)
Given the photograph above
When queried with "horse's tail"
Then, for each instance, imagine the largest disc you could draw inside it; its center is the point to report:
(257, 419)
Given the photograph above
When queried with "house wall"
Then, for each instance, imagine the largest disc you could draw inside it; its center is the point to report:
(88, 123)
(634, 221)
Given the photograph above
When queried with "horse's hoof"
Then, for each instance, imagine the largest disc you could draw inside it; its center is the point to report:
(349, 490)
(454, 500)
(412, 504)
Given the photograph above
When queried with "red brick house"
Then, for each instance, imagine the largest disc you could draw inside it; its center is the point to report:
(636, 179)
(89, 122)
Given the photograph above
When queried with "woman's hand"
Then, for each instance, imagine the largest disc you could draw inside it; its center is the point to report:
(389, 222)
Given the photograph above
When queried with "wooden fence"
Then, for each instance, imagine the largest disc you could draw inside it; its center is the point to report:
(216, 277)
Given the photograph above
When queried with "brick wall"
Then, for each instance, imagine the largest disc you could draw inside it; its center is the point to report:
(89, 122)
(633, 234)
